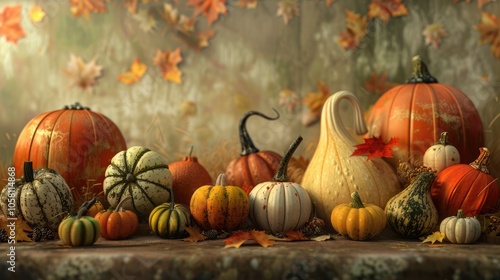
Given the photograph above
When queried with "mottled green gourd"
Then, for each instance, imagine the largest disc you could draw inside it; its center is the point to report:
(411, 213)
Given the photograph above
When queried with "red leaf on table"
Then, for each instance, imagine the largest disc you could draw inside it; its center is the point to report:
(10, 23)
(375, 147)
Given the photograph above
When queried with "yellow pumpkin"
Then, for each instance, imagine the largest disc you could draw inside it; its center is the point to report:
(333, 174)
(358, 221)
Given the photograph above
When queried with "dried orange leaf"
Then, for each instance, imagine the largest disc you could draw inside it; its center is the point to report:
(194, 234)
(10, 23)
(85, 7)
(378, 83)
(287, 9)
(489, 30)
(146, 20)
(295, 235)
(36, 13)
(436, 236)
(433, 34)
(131, 5)
(375, 147)
(136, 72)
(356, 31)
(262, 238)
(314, 102)
(170, 14)
(211, 9)
(83, 74)
(237, 239)
(167, 62)
(384, 9)
(249, 4)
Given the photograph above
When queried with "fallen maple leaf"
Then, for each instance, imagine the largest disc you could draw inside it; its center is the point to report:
(36, 13)
(167, 61)
(83, 74)
(314, 102)
(375, 147)
(85, 7)
(10, 23)
(21, 229)
(194, 234)
(433, 34)
(489, 30)
(146, 20)
(295, 235)
(239, 237)
(131, 5)
(436, 236)
(249, 4)
(287, 9)
(356, 31)
(321, 237)
(378, 83)
(136, 72)
(384, 9)
(211, 9)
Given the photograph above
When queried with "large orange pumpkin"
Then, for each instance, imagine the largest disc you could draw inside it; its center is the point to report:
(418, 111)
(76, 142)
(253, 166)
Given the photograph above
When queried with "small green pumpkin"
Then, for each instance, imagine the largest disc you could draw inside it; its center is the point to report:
(79, 230)
(411, 213)
(169, 220)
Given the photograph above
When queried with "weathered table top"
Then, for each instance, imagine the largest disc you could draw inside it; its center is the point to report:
(149, 257)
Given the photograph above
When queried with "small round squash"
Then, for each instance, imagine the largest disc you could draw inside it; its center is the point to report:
(441, 155)
(80, 230)
(117, 224)
(461, 229)
(96, 208)
(220, 207)
(169, 220)
(358, 221)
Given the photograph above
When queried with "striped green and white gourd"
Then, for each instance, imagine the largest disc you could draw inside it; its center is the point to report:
(41, 197)
(141, 174)
(169, 220)
(411, 213)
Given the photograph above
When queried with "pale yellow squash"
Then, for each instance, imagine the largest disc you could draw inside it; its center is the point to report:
(333, 174)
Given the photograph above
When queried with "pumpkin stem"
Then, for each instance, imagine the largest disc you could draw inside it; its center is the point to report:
(281, 175)
(29, 175)
(172, 203)
(356, 200)
(76, 106)
(119, 207)
(130, 177)
(482, 161)
(221, 180)
(85, 207)
(247, 146)
(460, 214)
(190, 151)
(443, 139)
(420, 73)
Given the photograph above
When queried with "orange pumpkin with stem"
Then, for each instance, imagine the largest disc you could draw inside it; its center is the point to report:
(188, 175)
(253, 166)
(117, 224)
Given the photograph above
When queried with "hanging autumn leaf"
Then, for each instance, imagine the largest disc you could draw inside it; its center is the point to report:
(83, 74)
(288, 99)
(167, 61)
(489, 30)
(378, 83)
(170, 15)
(136, 72)
(436, 236)
(329, 2)
(131, 5)
(10, 23)
(249, 4)
(211, 9)
(239, 237)
(356, 31)
(433, 34)
(36, 13)
(481, 3)
(287, 9)
(85, 7)
(314, 102)
(186, 24)
(188, 109)
(146, 20)
(375, 147)
(384, 9)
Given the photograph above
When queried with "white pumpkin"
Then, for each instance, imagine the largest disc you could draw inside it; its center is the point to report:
(41, 197)
(280, 206)
(441, 155)
(461, 229)
(141, 174)
(333, 174)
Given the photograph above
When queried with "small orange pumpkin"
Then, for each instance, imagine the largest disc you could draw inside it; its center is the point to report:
(94, 209)
(117, 224)
(220, 207)
(188, 175)
(253, 166)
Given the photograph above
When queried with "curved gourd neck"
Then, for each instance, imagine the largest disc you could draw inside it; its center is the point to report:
(332, 117)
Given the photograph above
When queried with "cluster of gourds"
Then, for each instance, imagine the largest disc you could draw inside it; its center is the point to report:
(139, 184)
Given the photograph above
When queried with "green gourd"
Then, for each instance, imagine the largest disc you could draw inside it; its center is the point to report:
(411, 213)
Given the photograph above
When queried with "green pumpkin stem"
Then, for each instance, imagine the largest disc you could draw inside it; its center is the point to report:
(221, 180)
(482, 161)
(119, 207)
(460, 214)
(29, 175)
(247, 146)
(190, 151)
(76, 106)
(85, 207)
(356, 200)
(281, 175)
(420, 73)
(443, 139)
(172, 202)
